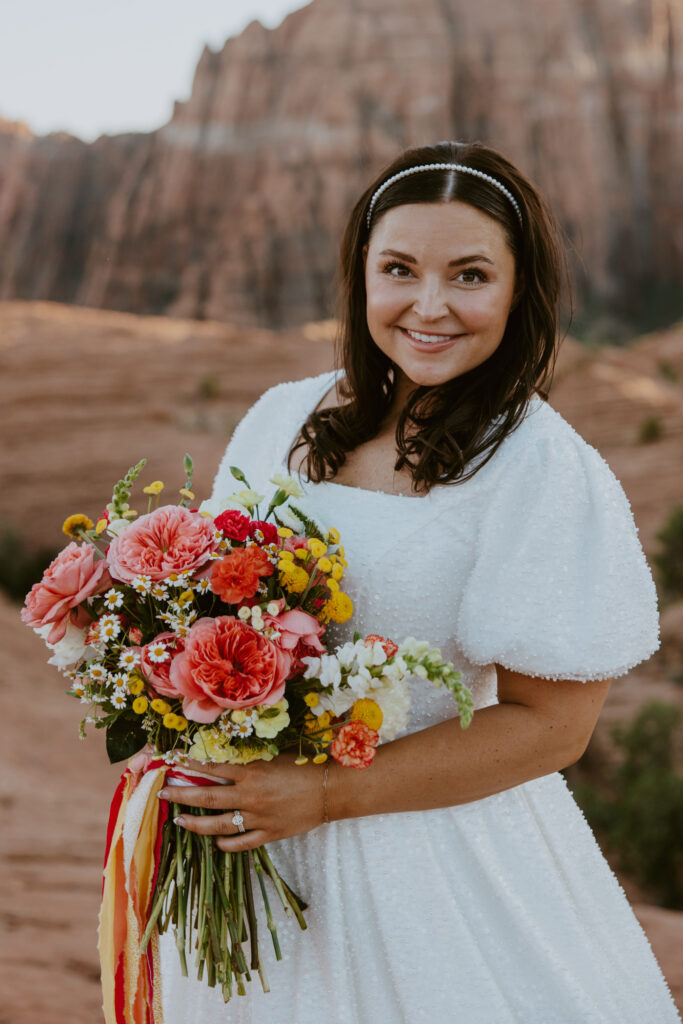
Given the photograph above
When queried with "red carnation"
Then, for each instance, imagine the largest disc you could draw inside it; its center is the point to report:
(233, 524)
(267, 529)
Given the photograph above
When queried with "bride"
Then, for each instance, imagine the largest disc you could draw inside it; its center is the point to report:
(456, 879)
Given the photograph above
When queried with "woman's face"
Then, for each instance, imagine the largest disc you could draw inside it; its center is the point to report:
(440, 283)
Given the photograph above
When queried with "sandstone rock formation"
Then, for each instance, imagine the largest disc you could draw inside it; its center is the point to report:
(233, 209)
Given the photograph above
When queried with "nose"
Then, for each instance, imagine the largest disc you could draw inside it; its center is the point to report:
(430, 301)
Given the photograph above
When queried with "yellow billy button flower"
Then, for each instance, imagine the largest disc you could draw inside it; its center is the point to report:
(180, 723)
(337, 571)
(136, 685)
(301, 760)
(301, 553)
(156, 487)
(327, 736)
(312, 699)
(324, 720)
(320, 759)
(284, 531)
(140, 705)
(161, 707)
(170, 720)
(186, 493)
(185, 597)
(332, 584)
(293, 578)
(325, 565)
(339, 607)
(74, 524)
(316, 547)
(287, 556)
(333, 535)
(368, 712)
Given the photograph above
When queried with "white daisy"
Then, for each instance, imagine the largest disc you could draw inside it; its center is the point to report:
(244, 729)
(129, 658)
(159, 591)
(109, 627)
(142, 584)
(119, 680)
(113, 599)
(202, 586)
(157, 652)
(118, 698)
(78, 687)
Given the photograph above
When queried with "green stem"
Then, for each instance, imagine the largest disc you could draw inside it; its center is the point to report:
(258, 867)
(251, 911)
(158, 905)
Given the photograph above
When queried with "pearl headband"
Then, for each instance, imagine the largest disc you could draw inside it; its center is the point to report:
(443, 167)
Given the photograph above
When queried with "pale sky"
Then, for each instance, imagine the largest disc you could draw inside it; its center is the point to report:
(90, 67)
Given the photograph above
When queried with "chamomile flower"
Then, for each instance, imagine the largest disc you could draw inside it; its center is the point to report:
(78, 687)
(157, 651)
(109, 627)
(129, 659)
(201, 586)
(113, 599)
(159, 591)
(178, 579)
(119, 699)
(243, 729)
(141, 584)
(119, 680)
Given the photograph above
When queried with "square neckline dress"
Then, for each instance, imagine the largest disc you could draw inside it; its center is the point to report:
(501, 910)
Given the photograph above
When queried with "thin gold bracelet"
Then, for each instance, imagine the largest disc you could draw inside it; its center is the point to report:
(326, 818)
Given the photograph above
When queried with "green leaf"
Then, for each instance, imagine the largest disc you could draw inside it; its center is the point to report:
(125, 737)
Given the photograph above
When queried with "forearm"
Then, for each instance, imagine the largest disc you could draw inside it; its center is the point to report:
(444, 765)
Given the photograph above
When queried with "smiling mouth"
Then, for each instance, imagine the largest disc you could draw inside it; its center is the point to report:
(429, 339)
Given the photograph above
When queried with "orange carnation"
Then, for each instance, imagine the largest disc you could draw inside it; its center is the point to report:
(238, 575)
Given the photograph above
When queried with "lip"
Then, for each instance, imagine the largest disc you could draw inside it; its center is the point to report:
(431, 346)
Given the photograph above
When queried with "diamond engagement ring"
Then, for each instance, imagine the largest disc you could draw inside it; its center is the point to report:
(238, 820)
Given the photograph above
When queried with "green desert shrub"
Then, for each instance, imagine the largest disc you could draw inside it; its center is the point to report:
(637, 808)
(669, 560)
(650, 430)
(20, 566)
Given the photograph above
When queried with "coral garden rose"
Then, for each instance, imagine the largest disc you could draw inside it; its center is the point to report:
(227, 664)
(73, 575)
(233, 524)
(169, 539)
(299, 635)
(238, 575)
(354, 746)
(157, 673)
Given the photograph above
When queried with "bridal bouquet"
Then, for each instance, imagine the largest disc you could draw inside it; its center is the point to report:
(200, 634)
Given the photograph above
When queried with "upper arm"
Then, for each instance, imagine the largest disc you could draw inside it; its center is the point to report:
(568, 708)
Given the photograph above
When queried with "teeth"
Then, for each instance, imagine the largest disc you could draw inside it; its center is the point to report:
(429, 338)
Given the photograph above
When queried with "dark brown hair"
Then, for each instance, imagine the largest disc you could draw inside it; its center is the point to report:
(445, 433)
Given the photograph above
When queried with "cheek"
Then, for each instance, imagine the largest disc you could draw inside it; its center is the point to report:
(383, 301)
(484, 310)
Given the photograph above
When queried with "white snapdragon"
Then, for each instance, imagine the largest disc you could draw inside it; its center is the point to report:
(214, 506)
(71, 649)
(337, 702)
(330, 672)
(312, 664)
(287, 484)
(115, 527)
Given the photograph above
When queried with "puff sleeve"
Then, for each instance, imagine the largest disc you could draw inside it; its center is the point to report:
(559, 586)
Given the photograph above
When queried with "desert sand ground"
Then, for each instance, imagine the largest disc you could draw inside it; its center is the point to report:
(85, 393)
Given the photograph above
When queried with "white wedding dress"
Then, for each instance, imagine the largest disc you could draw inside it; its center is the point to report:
(503, 909)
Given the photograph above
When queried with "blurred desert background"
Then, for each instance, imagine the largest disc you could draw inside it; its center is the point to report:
(154, 284)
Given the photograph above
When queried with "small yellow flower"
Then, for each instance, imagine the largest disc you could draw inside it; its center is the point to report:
(156, 487)
(339, 607)
(74, 524)
(310, 724)
(161, 707)
(186, 493)
(284, 531)
(136, 685)
(324, 720)
(327, 736)
(301, 553)
(101, 525)
(140, 705)
(332, 584)
(368, 712)
(312, 699)
(301, 760)
(316, 547)
(170, 720)
(337, 571)
(180, 723)
(287, 556)
(320, 759)
(185, 597)
(333, 535)
(325, 565)
(293, 578)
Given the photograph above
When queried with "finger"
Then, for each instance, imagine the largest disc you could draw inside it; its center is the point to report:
(218, 771)
(210, 824)
(214, 798)
(243, 841)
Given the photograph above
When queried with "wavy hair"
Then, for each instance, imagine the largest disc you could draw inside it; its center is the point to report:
(446, 432)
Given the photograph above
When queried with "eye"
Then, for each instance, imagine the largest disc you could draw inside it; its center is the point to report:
(389, 269)
(479, 276)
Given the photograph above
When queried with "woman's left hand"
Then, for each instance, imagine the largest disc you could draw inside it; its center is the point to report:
(276, 799)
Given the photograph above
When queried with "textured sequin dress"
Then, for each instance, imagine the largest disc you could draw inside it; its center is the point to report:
(503, 909)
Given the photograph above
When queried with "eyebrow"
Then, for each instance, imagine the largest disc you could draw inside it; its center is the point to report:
(453, 263)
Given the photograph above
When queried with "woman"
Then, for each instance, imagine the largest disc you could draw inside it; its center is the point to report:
(456, 879)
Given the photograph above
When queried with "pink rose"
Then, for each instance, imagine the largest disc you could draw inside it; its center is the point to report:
(299, 634)
(227, 664)
(67, 581)
(169, 539)
(157, 673)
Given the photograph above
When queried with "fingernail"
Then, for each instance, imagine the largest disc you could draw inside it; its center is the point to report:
(162, 794)
(179, 821)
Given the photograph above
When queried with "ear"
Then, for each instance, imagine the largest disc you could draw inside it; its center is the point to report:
(365, 254)
(518, 292)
